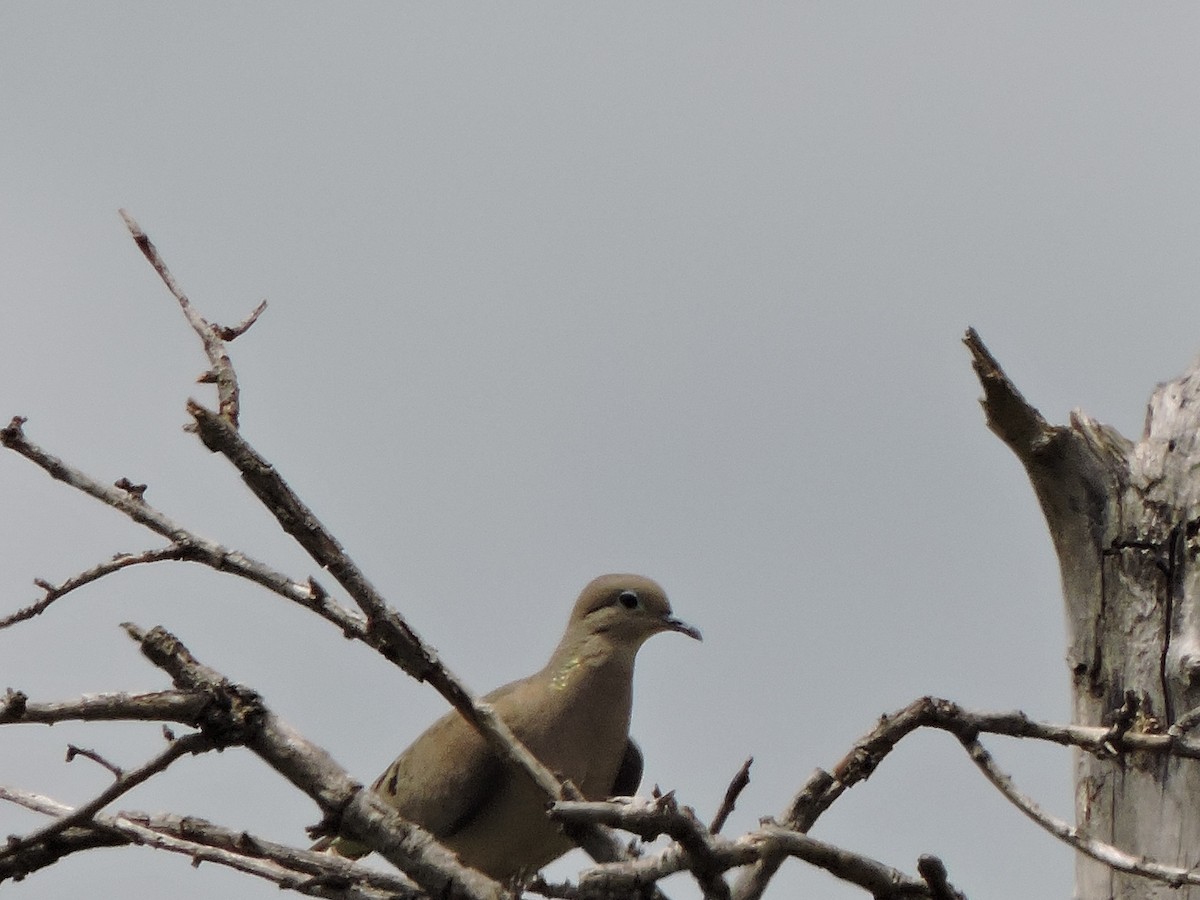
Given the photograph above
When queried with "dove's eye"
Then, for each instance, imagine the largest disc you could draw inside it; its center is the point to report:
(629, 599)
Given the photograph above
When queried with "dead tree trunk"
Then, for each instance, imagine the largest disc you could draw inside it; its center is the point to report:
(1124, 518)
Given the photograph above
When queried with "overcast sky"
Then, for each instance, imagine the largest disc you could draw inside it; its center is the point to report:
(562, 289)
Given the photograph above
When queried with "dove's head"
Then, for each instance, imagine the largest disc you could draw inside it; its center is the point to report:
(627, 609)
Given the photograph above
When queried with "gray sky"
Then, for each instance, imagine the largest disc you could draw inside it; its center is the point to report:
(560, 289)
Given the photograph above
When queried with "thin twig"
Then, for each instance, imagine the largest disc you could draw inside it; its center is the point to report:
(192, 743)
(739, 783)
(1111, 856)
(663, 815)
(317, 874)
(73, 751)
(869, 751)
(73, 840)
(213, 337)
(231, 332)
(650, 818)
(193, 547)
(118, 562)
(883, 881)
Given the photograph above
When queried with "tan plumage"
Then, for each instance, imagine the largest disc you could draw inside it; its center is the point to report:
(573, 715)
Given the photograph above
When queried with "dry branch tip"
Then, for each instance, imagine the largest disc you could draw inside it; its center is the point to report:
(738, 784)
(74, 751)
(12, 432)
(1009, 415)
(933, 870)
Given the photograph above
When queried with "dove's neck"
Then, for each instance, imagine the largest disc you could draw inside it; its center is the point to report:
(588, 661)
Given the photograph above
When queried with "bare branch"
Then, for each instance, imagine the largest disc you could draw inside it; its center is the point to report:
(406, 649)
(881, 880)
(739, 783)
(1009, 414)
(823, 788)
(72, 840)
(193, 548)
(650, 818)
(185, 707)
(213, 337)
(316, 874)
(73, 751)
(118, 562)
(192, 743)
(231, 332)
(1111, 856)
(698, 849)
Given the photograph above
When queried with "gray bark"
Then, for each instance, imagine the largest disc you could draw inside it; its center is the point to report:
(1123, 517)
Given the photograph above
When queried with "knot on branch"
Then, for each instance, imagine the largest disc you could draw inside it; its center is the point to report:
(933, 870)
(12, 707)
(1132, 717)
(232, 713)
(12, 433)
(136, 491)
(860, 764)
